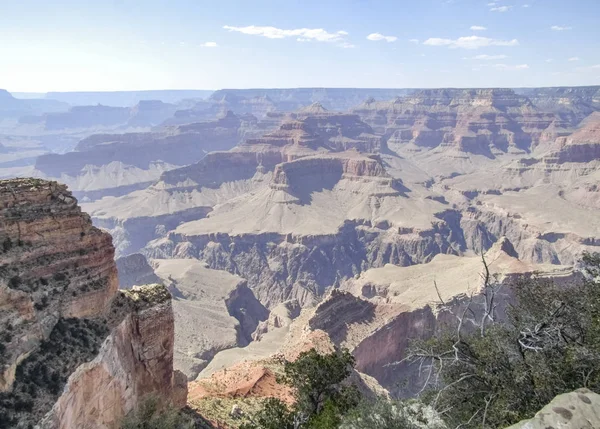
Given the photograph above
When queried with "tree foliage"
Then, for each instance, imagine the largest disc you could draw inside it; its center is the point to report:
(321, 394)
(548, 344)
(151, 415)
(383, 413)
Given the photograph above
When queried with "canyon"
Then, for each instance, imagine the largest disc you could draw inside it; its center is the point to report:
(281, 220)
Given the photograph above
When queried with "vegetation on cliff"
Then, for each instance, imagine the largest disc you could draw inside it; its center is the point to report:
(509, 368)
(40, 378)
(320, 392)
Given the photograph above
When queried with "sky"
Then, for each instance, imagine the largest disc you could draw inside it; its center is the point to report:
(111, 45)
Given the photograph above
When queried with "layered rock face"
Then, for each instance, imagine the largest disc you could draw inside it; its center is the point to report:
(219, 176)
(136, 360)
(60, 308)
(117, 164)
(55, 264)
(296, 98)
(486, 122)
(340, 131)
(299, 240)
(134, 270)
(581, 146)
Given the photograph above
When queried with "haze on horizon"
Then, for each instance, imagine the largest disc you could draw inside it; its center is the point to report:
(184, 44)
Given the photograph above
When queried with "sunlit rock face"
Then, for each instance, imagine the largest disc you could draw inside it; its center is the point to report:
(61, 313)
(55, 264)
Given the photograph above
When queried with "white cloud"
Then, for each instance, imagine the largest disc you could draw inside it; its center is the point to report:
(549, 60)
(526, 5)
(574, 59)
(492, 4)
(560, 28)
(486, 57)
(415, 41)
(511, 67)
(478, 28)
(209, 45)
(376, 37)
(501, 9)
(302, 34)
(470, 42)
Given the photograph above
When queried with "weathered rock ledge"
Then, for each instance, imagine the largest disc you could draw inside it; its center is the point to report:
(74, 351)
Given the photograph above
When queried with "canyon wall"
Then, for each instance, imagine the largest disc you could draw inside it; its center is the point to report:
(72, 347)
(136, 360)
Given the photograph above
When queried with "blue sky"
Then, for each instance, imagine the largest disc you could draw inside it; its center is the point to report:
(69, 45)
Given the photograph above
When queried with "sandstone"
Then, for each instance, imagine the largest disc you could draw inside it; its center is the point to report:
(576, 410)
(581, 146)
(90, 352)
(54, 264)
(136, 360)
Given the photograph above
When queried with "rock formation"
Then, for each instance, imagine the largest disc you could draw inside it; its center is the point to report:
(485, 122)
(214, 311)
(74, 350)
(115, 164)
(296, 98)
(377, 313)
(14, 108)
(576, 410)
(134, 270)
(581, 146)
(55, 264)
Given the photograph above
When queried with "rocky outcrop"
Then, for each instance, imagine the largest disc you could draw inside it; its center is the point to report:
(55, 264)
(301, 177)
(340, 131)
(72, 347)
(135, 360)
(576, 410)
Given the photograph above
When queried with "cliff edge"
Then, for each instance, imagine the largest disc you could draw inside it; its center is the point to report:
(74, 350)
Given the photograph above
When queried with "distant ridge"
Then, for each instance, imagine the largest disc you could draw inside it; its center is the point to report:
(118, 98)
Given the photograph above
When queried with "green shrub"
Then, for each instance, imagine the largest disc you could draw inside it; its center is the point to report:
(150, 415)
(383, 413)
(321, 395)
(549, 344)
